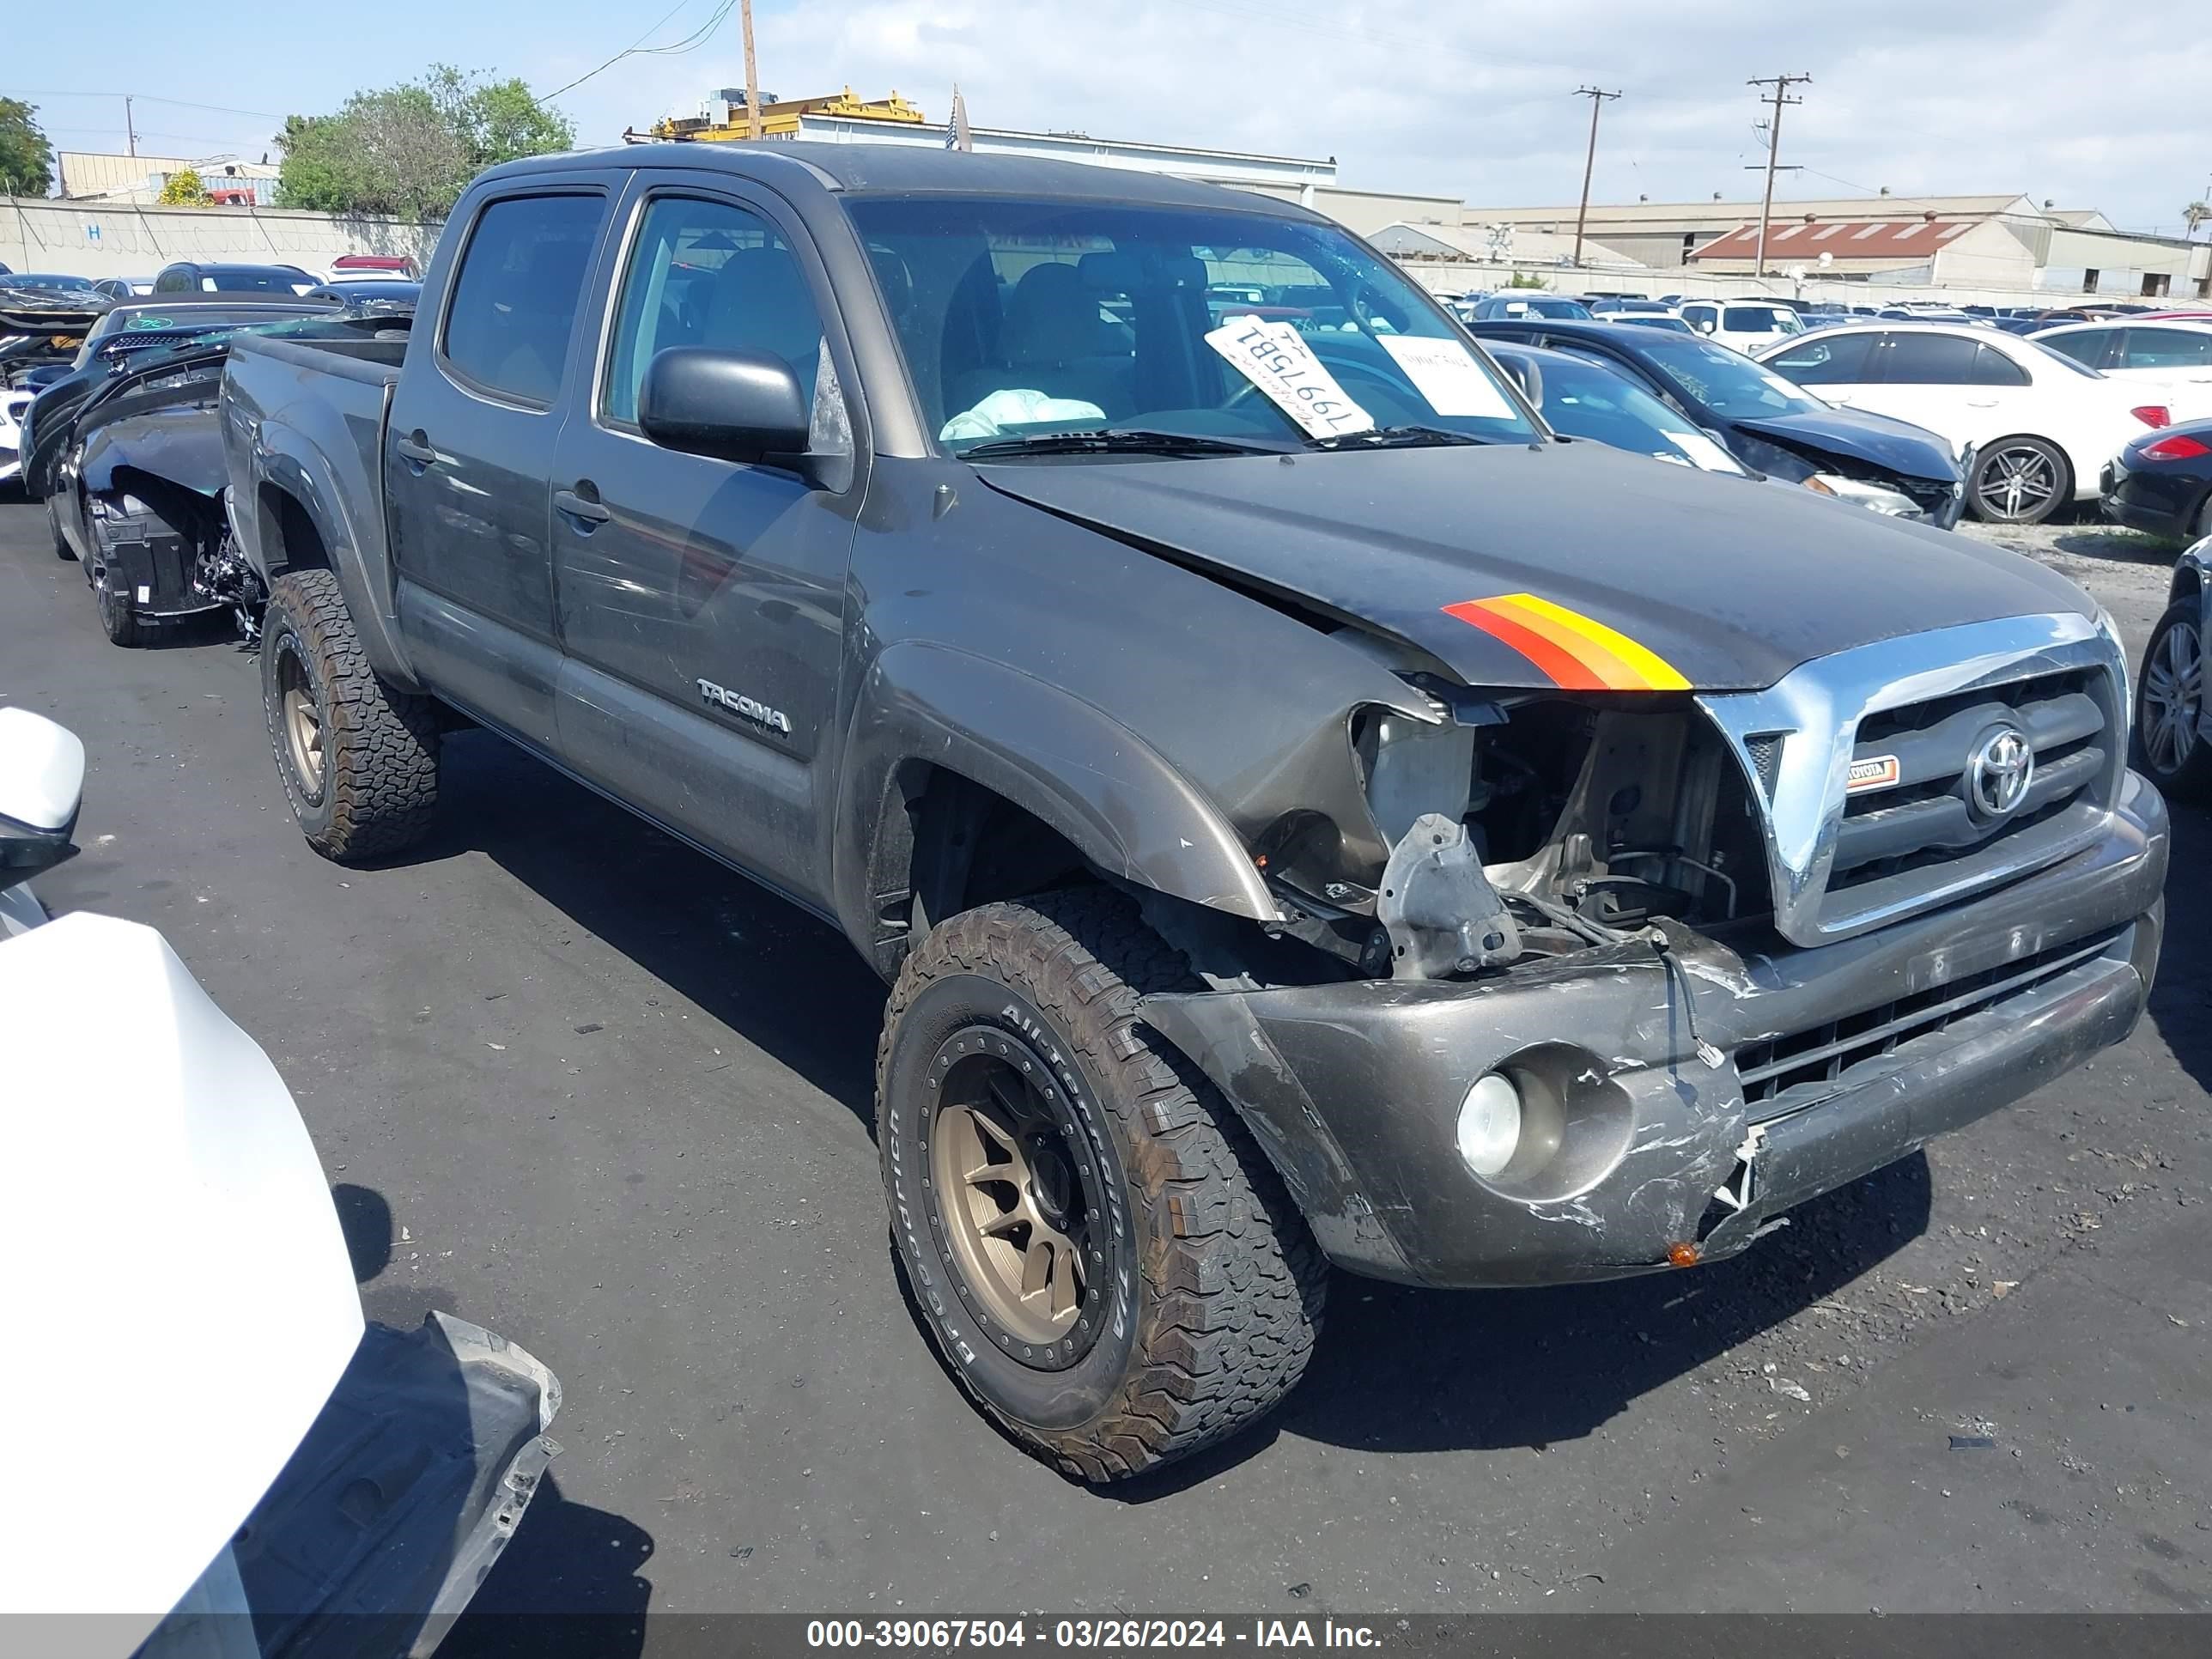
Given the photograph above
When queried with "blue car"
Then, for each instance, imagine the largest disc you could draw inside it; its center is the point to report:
(1770, 425)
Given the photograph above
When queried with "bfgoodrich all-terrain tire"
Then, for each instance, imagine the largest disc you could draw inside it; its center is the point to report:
(358, 758)
(1109, 1266)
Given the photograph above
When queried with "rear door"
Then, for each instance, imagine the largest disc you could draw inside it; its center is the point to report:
(469, 444)
(701, 602)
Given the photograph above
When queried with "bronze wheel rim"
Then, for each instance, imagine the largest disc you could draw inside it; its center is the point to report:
(302, 722)
(1016, 1198)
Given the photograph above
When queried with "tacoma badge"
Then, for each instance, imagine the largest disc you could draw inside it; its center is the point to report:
(774, 719)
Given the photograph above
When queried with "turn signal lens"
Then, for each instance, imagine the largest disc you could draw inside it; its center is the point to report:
(2179, 447)
(1490, 1124)
(2154, 415)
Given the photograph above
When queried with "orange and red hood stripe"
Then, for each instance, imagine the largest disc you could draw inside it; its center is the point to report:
(1576, 652)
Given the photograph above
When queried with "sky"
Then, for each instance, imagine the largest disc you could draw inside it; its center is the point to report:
(2070, 100)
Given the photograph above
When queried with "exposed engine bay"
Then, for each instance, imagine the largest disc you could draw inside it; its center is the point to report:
(1530, 825)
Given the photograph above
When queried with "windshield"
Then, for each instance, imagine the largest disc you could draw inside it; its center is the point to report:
(1726, 382)
(1584, 399)
(1029, 318)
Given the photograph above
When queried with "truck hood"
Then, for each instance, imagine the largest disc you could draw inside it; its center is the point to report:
(1725, 584)
(1902, 447)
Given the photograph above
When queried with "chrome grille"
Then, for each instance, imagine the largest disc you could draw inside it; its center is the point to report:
(1844, 860)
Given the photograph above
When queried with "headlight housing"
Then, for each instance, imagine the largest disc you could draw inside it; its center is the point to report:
(1878, 498)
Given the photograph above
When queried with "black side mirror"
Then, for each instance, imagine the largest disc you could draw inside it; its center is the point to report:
(734, 406)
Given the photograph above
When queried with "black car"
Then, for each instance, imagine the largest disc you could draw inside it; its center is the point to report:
(1768, 423)
(186, 277)
(371, 297)
(2162, 483)
(1580, 399)
(121, 334)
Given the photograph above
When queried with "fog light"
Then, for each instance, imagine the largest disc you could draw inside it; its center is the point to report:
(1490, 1124)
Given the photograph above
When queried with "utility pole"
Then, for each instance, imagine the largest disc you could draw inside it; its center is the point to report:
(1781, 83)
(752, 76)
(1589, 162)
(129, 129)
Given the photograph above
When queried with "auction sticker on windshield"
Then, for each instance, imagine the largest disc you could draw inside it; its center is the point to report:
(1445, 372)
(1276, 359)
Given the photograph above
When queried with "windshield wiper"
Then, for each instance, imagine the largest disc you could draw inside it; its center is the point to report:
(1114, 440)
(1396, 437)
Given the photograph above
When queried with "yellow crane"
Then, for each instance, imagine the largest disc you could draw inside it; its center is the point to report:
(724, 123)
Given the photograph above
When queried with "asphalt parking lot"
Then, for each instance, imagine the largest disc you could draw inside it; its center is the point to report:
(615, 1103)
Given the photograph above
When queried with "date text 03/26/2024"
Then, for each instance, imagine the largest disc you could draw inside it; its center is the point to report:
(990, 1635)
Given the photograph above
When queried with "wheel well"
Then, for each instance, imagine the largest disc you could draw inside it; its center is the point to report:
(972, 846)
(289, 540)
(2187, 583)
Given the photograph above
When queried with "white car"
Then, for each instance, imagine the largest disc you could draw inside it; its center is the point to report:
(2040, 426)
(178, 1269)
(2173, 358)
(12, 406)
(1747, 325)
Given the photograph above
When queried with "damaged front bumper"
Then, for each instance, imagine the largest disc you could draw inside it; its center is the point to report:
(385, 1519)
(1835, 1060)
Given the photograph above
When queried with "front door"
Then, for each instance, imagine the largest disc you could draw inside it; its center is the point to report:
(701, 601)
(471, 435)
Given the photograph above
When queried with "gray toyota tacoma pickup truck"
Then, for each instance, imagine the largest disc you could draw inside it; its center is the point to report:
(1307, 813)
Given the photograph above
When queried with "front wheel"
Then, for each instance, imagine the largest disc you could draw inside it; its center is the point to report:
(2170, 703)
(2020, 481)
(118, 618)
(1109, 1267)
(358, 758)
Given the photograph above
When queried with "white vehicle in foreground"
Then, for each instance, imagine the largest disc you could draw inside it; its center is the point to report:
(2040, 427)
(2172, 359)
(1749, 325)
(215, 1458)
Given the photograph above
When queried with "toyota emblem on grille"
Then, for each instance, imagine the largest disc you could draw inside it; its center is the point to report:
(1997, 776)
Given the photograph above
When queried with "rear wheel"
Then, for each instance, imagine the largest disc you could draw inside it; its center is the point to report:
(2170, 702)
(54, 528)
(2020, 481)
(359, 758)
(1109, 1265)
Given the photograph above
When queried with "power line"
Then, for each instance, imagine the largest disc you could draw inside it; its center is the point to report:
(1589, 162)
(690, 42)
(145, 98)
(1781, 100)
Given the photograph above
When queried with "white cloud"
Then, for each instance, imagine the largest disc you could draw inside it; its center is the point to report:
(2061, 98)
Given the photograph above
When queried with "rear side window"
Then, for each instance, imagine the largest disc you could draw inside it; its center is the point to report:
(1993, 368)
(1929, 359)
(2165, 348)
(513, 305)
(1826, 360)
(1758, 320)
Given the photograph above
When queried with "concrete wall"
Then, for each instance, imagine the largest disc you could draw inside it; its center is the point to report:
(103, 240)
(1457, 277)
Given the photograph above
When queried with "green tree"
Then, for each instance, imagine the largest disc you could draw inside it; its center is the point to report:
(26, 161)
(2195, 215)
(408, 151)
(184, 189)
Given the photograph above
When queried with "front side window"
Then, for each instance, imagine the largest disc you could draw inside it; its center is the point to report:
(2087, 347)
(1022, 318)
(707, 273)
(1825, 359)
(514, 299)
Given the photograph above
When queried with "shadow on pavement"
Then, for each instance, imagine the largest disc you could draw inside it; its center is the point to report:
(2178, 1001)
(1401, 1369)
(787, 983)
(567, 1587)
